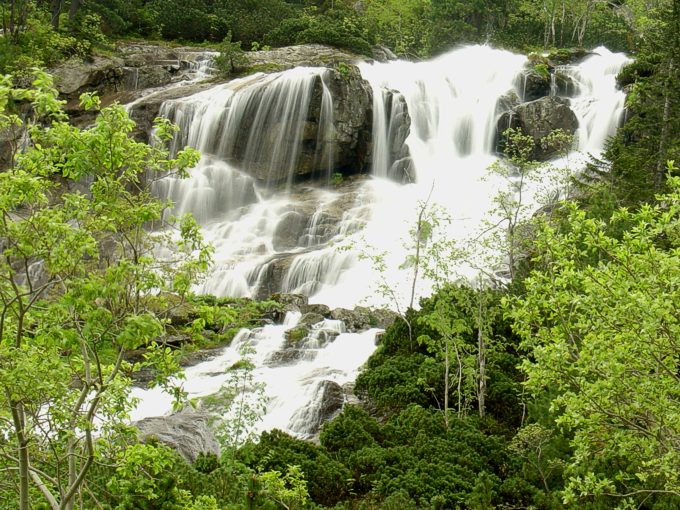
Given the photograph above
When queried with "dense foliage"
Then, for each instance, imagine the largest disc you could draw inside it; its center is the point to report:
(559, 390)
(44, 32)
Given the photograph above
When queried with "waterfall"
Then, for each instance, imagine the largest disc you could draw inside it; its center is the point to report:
(598, 104)
(293, 378)
(260, 122)
(434, 129)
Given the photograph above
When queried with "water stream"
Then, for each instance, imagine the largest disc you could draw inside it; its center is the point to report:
(249, 128)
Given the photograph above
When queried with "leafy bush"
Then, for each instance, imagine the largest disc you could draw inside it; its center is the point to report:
(276, 450)
(231, 58)
(321, 29)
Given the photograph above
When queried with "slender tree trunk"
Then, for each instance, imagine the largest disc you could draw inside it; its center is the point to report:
(5, 28)
(660, 174)
(446, 383)
(460, 380)
(481, 356)
(72, 11)
(55, 9)
(564, 15)
(19, 421)
(417, 260)
(419, 241)
(12, 13)
(72, 472)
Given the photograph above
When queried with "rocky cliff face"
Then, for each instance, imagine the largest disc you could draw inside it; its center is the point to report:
(349, 139)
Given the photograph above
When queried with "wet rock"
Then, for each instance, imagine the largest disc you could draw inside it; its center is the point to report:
(296, 300)
(382, 317)
(289, 230)
(288, 356)
(564, 84)
(533, 85)
(295, 336)
(271, 280)
(187, 432)
(327, 403)
(332, 400)
(310, 318)
(347, 144)
(319, 309)
(144, 112)
(565, 56)
(538, 119)
(507, 102)
(361, 318)
(383, 54)
(136, 78)
(325, 142)
(400, 164)
(355, 320)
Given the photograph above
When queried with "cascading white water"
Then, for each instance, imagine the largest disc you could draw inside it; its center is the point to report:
(292, 236)
(292, 378)
(259, 121)
(598, 104)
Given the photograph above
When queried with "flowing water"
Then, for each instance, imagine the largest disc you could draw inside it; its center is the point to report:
(310, 240)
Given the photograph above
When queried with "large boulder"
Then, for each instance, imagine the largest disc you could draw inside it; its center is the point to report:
(319, 309)
(507, 102)
(361, 318)
(144, 110)
(329, 137)
(533, 85)
(399, 165)
(538, 119)
(327, 402)
(136, 78)
(186, 431)
(100, 74)
(346, 145)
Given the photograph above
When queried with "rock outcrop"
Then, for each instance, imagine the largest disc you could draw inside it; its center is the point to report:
(399, 163)
(186, 431)
(361, 318)
(538, 119)
(137, 67)
(100, 74)
(533, 85)
(328, 400)
(308, 55)
(144, 111)
(334, 141)
(352, 118)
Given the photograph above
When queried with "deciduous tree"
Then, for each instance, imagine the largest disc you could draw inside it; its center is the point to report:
(80, 286)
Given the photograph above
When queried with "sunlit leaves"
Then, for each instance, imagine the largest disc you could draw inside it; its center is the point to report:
(79, 273)
(600, 321)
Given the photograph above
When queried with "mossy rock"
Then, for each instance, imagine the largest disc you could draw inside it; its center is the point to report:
(310, 319)
(565, 56)
(296, 335)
